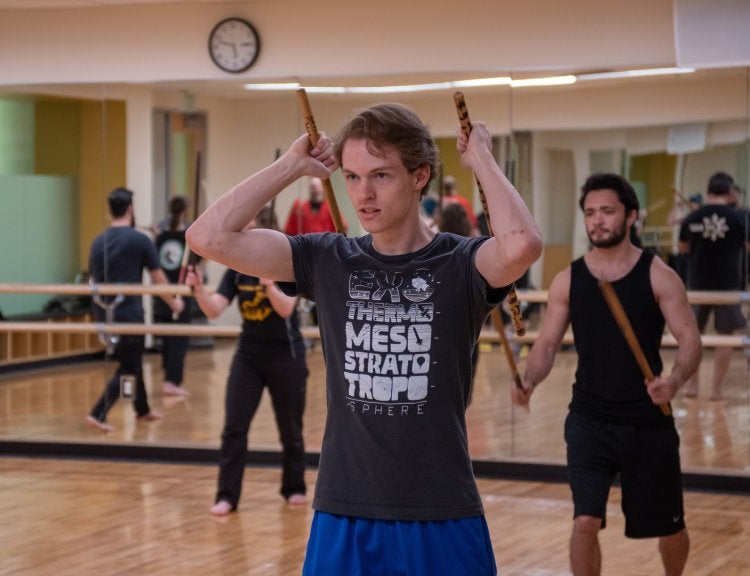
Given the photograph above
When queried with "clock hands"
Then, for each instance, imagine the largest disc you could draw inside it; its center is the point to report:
(232, 44)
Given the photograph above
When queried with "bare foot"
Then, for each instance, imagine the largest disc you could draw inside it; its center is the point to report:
(715, 396)
(171, 389)
(297, 500)
(691, 391)
(221, 508)
(150, 417)
(98, 424)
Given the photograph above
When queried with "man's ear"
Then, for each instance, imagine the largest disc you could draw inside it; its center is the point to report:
(631, 217)
(421, 176)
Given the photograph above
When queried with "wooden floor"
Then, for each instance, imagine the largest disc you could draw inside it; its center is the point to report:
(50, 404)
(74, 516)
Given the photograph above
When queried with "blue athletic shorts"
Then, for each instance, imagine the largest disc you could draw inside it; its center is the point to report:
(347, 546)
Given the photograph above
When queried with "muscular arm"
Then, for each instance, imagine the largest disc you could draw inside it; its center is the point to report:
(219, 234)
(672, 299)
(554, 324)
(516, 243)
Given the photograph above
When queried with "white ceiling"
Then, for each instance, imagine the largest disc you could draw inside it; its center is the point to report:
(233, 87)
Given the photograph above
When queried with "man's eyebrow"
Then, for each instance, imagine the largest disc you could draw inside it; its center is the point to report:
(383, 168)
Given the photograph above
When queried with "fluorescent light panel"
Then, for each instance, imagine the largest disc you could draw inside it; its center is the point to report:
(635, 73)
(548, 81)
(497, 81)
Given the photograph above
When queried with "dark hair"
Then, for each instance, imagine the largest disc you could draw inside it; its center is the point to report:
(453, 218)
(720, 184)
(603, 181)
(392, 126)
(177, 207)
(119, 200)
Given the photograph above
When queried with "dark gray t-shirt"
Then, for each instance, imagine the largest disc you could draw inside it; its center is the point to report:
(118, 256)
(716, 237)
(397, 334)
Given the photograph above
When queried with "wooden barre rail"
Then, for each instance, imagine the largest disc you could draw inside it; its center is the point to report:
(121, 328)
(694, 297)
(101, 289)
(312, 332)
(489, 335)
(533, 296)
(130, 329)
(667, 341)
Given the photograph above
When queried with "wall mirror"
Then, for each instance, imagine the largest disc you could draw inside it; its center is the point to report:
(64, 147)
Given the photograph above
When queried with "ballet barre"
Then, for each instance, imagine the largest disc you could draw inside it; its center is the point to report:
(177, 329)
(133, 329)
(531, 296)
(667, 341)
(694, 297)
(100, 289)
(310, 332)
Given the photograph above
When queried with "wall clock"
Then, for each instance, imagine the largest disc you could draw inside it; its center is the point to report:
(234, 45)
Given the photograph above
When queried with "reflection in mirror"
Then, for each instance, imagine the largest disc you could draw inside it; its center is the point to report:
(667, 165)
(77, 145)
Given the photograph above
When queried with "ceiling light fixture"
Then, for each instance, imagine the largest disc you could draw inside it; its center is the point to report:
(496, 81)
(274, 86)
(547, 81)
(635, 73)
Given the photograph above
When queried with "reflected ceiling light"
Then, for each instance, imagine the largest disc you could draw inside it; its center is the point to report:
(496, 81)
(547, 81)
(635, 73)
(325, 89)
(406, 88)
(276, 86)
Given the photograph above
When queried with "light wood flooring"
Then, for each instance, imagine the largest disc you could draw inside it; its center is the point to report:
(81, 518)
(50, 404)
(75, 516)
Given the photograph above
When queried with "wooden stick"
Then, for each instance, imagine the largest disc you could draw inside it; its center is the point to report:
(610, 296)
(187, 253)
(272, 204)
(515, 309)
(497, 322)
(312, 133)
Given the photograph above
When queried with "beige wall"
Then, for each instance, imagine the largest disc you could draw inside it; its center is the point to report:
(334, 38)
(146, 56)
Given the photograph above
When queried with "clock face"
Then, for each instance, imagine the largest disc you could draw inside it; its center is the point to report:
(233, 45)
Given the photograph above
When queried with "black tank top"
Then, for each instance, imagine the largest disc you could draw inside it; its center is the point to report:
(609, 383)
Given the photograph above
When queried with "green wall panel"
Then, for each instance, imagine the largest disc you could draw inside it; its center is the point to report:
(38, 237)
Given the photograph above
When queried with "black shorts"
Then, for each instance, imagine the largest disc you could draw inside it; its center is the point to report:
(727, 317)
(648, 462)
